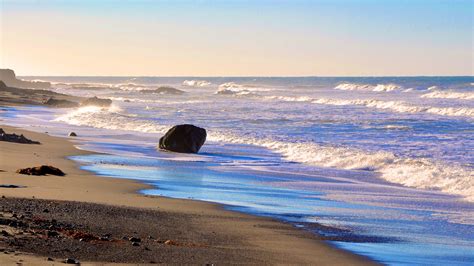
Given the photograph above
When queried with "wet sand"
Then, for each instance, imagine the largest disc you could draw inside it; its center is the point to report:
(170, 230)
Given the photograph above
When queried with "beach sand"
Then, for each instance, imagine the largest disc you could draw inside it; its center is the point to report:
(170, 230)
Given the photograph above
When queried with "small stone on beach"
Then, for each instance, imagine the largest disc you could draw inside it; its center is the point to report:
(71, 261)
(135, 239)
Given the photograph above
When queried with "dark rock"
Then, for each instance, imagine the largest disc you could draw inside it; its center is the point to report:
(5, 233)
(183, 138)
(164, 90)
(10, 186)
(60, 103)
(72, 134)
(41, 170)
(2, 85)
(227, 92)
(52, 233)
(126, 101)
(135, 239)
(49, 259)
(15, 138)
(71, 261)
(96, 102)
(135, 244)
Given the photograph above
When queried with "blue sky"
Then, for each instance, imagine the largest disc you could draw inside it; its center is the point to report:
(237, 38)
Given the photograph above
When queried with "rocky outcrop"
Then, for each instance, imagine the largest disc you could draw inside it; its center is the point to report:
(15, 138)
(164, 90)
(184, 139)
(9, 78)
(41, 170)
(60, 103)
(94, 101)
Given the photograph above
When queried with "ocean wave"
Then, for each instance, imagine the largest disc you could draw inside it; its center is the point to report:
(129, 86)
(395, 106)
(232, 88)
(419, 173)
(196, 83)
(449, 95)
(129, 99)
(109, 118)
(368, 87)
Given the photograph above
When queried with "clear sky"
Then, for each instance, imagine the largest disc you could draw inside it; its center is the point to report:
(237, 38)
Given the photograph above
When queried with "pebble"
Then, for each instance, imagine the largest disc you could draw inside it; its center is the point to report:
(135, 239)
(52, 233)
(5, 233)
(71, 261)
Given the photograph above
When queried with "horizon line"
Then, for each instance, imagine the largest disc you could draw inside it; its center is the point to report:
(252, 76)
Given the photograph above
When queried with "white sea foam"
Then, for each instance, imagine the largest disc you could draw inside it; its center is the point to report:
(468, 95)
(394, 106)
(353, 87)
(387, 87)
(232, 88)
(368, 87)
(109, 118)
(419, 173)
(196, 83)
(129, 99)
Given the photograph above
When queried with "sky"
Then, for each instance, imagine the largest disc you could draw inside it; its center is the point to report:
(237, 38)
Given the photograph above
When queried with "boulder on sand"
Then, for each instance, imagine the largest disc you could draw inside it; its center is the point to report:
(41, 170)
(96, 102)
(72, 134)
(183, 138)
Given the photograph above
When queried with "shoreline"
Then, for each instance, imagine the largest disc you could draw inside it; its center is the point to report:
(264, 239)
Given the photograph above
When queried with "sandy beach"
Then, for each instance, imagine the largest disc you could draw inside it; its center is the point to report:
(170, 230)
(236, 132)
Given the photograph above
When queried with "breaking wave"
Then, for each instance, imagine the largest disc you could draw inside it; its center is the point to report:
(196, 83)
(449, 95)
(419, 173)
(368, 87)
(109, 118)
(395, 106)
(232, 88)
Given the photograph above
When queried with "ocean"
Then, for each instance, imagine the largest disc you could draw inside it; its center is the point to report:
(380, 166)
